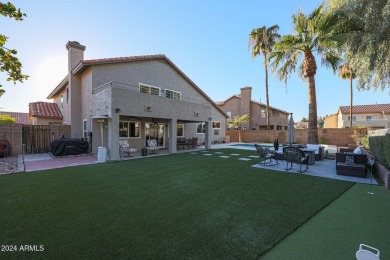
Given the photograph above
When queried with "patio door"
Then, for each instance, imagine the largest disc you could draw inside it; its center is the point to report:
(155, 131)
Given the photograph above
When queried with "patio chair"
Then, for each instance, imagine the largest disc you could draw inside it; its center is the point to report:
(152, 146)
(351, 164)
(367, 252)
(124, 147)
(295, 155)
(266, 154)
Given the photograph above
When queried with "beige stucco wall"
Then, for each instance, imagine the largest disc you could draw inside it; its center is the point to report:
(65, 106)
(380, 121)
(131, 102)
(45, 121)
(330, 121)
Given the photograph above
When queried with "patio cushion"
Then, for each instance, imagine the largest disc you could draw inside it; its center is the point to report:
(358, 150)
(315, 147)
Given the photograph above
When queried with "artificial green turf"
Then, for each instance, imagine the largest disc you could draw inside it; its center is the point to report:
(337, 231)
(167, 207)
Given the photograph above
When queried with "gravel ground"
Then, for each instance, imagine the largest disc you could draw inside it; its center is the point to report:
(8, 165)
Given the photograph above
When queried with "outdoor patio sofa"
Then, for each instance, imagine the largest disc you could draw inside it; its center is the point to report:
(351, 163)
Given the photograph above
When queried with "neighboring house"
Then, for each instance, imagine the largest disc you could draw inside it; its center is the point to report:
(44, 113)
(301, 125)
(374, 116)
(134, 98)
(242, 104)
(20, 118)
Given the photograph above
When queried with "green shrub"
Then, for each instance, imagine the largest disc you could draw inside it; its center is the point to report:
(267, 140)
(380, 146)
(364, 142)
(323, 140)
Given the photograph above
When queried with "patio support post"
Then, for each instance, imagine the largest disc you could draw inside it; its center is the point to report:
(113, 137)
(173, 135)
(207, 141)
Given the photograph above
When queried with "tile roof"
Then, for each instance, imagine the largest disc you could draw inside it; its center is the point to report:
(20, 118)
(221, 103)
(84, 64)
(375, 108)
(44, 109)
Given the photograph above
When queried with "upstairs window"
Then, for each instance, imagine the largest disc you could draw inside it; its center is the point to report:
(229, 113)
(353, 118)
(149, 89)
(172, 94)
(62, 101)
(262, 113)
(370, 118)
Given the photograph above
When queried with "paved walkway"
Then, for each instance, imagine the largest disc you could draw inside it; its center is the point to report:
(325, 169)
(37, 162)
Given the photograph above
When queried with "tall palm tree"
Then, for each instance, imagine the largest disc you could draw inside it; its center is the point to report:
(346, 72)
(236, 122)
(311, 34)
(262, 40)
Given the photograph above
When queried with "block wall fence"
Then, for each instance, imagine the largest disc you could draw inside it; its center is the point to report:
(332, 136)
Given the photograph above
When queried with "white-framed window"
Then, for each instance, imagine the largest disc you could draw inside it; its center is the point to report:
(200, 128)
(353, 118)
(67, 95)
(149, 89)
(370, 118)
(129, 129)
(62, 101)
(262, 113)
(85, 132)
(229, 113)
(216, 124)
(172, 94)
(180, 130)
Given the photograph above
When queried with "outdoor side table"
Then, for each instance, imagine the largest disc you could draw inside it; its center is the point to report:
(312, 155)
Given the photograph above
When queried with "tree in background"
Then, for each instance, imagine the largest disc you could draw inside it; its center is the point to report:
(6, 119)
(362, 31)
(236, 123)
(9, 63)
(311, 34)
(304, 119)
(320, 122)
(346, 72)
(262, 40)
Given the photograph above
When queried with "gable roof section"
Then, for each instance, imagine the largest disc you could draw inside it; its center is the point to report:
(20, 118)
(220, 103)
(59, 87)
(44, 109)
(84, 64)
(361, 109)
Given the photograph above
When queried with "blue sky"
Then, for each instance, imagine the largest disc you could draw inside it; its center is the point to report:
(207, 40)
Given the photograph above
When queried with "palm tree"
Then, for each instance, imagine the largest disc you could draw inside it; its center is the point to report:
(346, 72)
(236, 122)
(311, 34)
(262, 40)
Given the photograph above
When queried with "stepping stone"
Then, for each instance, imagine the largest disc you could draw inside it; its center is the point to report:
(244, 159)
(207, 154)
(224, 156)
(254, 156)
(218, 152)
(234, 154)
(204, 151)
(193, 153)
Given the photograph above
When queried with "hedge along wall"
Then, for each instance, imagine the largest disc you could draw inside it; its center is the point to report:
(380, 146)
(332, 136)
(12, 133)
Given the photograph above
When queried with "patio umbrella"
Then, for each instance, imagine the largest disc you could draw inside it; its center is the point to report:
(291, 130)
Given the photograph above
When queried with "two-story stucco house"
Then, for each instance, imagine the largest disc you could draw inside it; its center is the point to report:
(374, 116)
(242, 104)
(134, 98)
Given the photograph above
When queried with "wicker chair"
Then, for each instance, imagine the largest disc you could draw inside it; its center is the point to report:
(351, 164)
(124, 147)
(266, 154)
(152, 146)
(295, 155)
